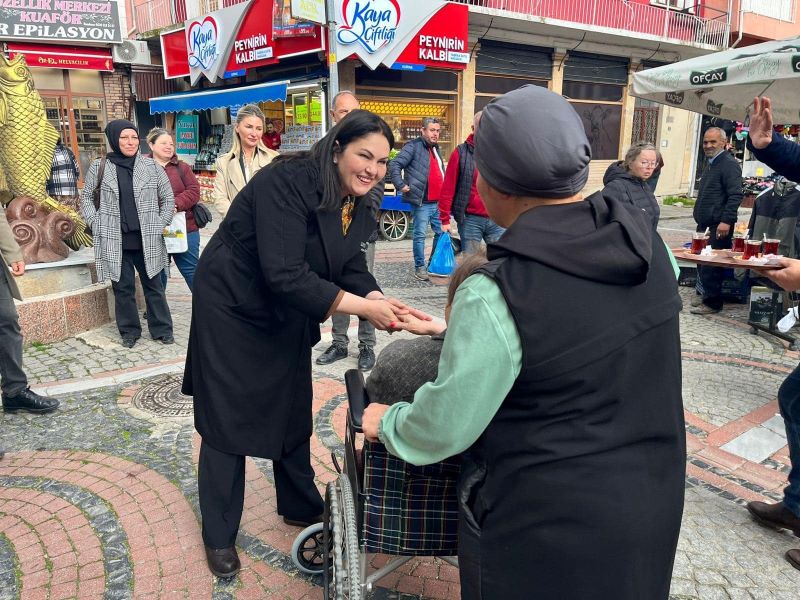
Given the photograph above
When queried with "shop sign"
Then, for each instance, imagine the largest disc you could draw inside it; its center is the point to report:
(63, 57)
(378, 32)
(243, 39)
(48, 20)
(207, 43)
(442, 41)
(309, 10)
(186, 132)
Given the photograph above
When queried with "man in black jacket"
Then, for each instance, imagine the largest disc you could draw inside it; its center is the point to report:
(420, 183)
(718, 201)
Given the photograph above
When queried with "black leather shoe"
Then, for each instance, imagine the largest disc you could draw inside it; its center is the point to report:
(775, 515)
(29, 401)
(166, 339)
(366, 359)
(793, 556)
(129, 342)
(332, 354)
(303, 522)
(223, 562)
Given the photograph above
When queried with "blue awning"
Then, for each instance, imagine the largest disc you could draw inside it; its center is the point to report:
(219, 97)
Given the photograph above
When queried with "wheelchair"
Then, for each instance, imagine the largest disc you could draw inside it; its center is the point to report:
(377, 504)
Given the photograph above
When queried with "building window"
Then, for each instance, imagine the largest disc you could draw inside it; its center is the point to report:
(595, 86)
(602, 123)
(489, 87)
(783, 10)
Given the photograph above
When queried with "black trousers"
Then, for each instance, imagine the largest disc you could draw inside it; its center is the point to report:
(711, 277)
(159, 320)
(12, 378)
(220, 478)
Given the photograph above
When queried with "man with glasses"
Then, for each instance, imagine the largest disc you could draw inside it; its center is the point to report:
(421, 183)
(718, 200)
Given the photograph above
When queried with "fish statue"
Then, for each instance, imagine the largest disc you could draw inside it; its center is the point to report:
(27, 144)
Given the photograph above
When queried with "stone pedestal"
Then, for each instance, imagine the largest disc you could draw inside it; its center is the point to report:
(62, 299)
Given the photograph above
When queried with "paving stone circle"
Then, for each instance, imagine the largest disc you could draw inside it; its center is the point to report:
(710, 393)
(162, 396)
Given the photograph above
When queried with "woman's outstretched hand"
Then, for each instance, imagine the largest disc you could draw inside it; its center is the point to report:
(404, 309)
(381, 313)
(417, 326)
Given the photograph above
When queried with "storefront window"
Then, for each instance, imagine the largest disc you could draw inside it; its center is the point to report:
(90, 121)
(75, 106)
(404, 98)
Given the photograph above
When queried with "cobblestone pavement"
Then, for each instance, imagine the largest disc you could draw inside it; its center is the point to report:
(99, 500)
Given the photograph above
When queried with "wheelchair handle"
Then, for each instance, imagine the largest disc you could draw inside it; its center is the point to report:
(357, 397)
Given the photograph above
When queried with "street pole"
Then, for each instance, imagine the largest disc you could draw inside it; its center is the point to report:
(333, 65)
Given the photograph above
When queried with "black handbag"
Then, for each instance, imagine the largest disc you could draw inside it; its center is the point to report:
(202, 216)
(96, 191)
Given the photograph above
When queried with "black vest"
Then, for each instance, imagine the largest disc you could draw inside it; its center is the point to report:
(582, 468)
(466, 171)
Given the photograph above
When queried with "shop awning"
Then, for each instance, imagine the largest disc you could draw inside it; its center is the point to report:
(219, 97)
(63, 57)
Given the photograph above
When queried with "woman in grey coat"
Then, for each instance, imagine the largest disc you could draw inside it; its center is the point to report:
(136, 204)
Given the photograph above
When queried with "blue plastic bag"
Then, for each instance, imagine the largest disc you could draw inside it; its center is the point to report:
(443, 262)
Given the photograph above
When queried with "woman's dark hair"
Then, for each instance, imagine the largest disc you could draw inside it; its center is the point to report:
(356, 124)
(471, 263)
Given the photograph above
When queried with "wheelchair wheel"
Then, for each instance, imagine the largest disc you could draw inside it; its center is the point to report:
(341, 571)
(393, 225)
(308, 550)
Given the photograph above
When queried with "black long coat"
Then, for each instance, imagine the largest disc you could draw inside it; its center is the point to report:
(267, 278)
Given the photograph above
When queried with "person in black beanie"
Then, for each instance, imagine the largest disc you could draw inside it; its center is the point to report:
(560, 376)
(136, 203)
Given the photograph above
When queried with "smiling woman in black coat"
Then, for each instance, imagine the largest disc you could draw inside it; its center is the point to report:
(626, 180)
(289, 253)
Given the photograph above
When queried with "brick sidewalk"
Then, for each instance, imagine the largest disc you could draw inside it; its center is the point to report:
(99, 500)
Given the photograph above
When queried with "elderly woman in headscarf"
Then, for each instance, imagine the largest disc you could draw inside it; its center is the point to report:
(575, 448)
(135, 204)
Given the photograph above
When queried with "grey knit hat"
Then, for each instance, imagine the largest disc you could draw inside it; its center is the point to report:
(531, 142)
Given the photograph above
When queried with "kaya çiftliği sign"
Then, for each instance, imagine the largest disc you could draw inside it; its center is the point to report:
(65, 20)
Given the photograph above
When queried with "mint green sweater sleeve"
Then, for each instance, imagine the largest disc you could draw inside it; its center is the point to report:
(481, 359)
(673, 262)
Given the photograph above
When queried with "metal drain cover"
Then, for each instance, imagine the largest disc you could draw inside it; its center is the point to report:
(162, 396)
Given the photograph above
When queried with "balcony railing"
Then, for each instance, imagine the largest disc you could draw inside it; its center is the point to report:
(153, 14)
(630, 17)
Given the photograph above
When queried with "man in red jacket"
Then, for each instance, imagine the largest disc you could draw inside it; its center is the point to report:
(271, 138)
(460, 199)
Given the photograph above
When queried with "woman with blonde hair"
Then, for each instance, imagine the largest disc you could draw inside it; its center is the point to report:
(247, 156)
(627, 179)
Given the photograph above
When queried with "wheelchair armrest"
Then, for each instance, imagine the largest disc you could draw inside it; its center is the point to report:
(357, 397)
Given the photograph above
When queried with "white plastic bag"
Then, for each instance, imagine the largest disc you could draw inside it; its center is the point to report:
(175, 235)
(787, 322)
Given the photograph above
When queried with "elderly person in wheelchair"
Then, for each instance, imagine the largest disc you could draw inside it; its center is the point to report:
(560, 377)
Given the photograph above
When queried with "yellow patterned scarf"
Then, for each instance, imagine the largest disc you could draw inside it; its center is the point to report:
(347, 213)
